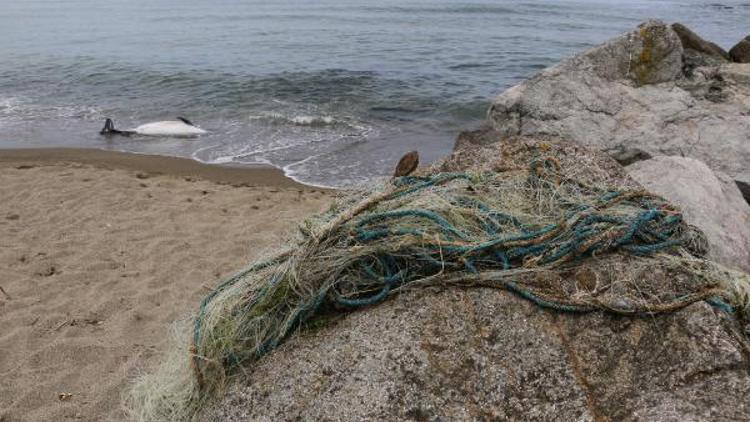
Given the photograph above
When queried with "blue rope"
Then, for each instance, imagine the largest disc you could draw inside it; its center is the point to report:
(643, 233)
(719, 304)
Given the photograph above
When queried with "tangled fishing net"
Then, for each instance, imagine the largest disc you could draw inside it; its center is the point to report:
(563, 244)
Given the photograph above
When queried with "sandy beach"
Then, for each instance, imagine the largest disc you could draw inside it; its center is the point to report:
(101, 251)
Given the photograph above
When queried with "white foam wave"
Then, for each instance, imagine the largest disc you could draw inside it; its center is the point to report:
(222, 159)
(297, 175)
(22, 109)
(307, 120)
(8, 105)
(313, 120)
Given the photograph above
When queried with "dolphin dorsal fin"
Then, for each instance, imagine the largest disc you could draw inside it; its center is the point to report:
(186, 121)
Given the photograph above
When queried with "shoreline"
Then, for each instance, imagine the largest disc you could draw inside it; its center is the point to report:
(156, 165)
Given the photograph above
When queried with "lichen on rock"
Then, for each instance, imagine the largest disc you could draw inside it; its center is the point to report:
(659, 56)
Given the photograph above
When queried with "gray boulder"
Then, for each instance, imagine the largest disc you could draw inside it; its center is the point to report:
(740, 53)
(712, 202)
(480, 354)
(631, 97)
(487, 355)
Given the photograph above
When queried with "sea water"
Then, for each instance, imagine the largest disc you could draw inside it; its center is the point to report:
(332, 91)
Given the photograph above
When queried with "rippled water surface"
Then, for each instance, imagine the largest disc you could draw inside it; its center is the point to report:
(332, 91)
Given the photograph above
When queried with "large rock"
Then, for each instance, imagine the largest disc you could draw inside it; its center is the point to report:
(632, 98)
(479, 354)
(711, 202)
(740, 53)
(486, 355)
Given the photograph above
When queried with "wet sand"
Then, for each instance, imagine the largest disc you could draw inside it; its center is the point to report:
(101, 251)
(151, 164)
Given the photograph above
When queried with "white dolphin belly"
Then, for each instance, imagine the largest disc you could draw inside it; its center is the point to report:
(168, 128)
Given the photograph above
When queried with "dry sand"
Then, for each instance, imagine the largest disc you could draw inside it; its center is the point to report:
(99, 255)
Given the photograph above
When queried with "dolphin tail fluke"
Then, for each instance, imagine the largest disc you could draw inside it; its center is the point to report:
(109, 129)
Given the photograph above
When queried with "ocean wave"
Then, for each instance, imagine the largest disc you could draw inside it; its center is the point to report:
(16, 108)
(330, 99)
(302, 120)
(8, 107)
(314, 120)
(452, 10)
